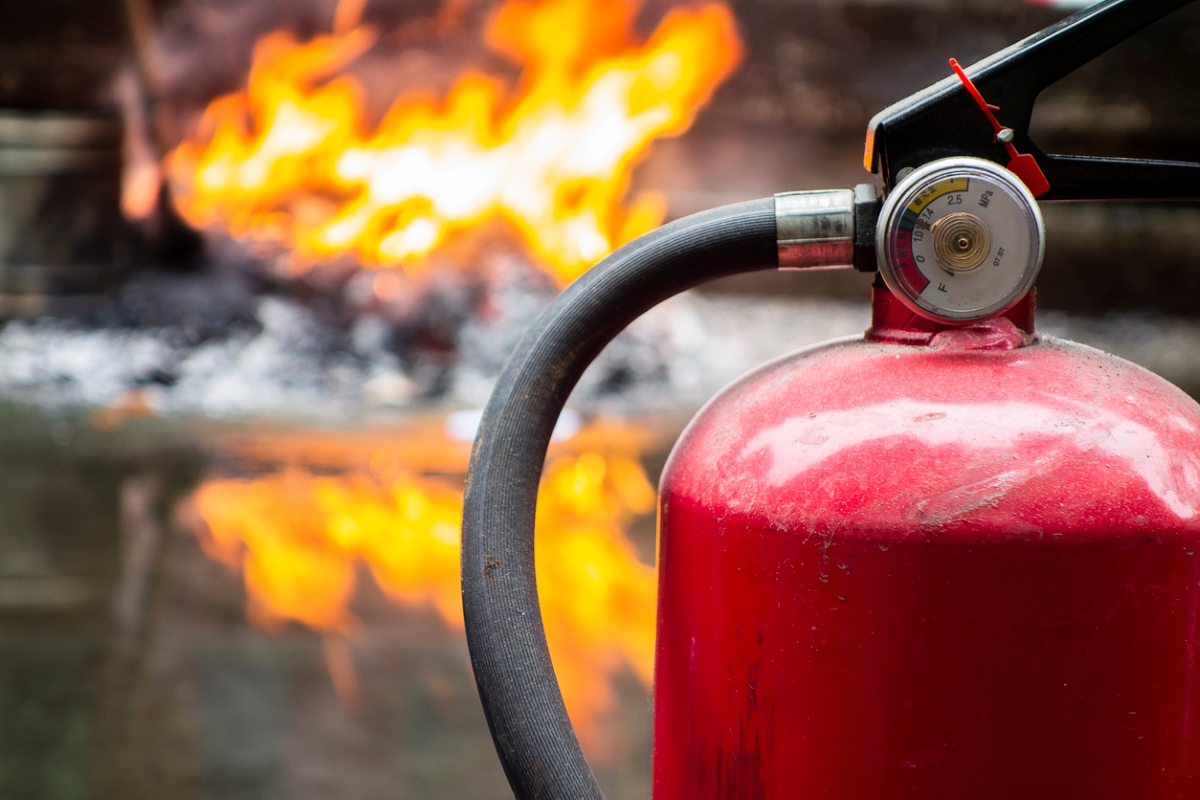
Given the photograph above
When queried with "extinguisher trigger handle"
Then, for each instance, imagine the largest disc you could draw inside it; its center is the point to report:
(984, 111)
(827, 228)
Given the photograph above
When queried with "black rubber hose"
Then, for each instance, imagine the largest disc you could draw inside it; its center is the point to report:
(520, 694)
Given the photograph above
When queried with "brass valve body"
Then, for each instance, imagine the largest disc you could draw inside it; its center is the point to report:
(961, 241)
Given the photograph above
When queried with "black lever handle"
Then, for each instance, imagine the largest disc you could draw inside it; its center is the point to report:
(943, 120)
(1090, 178)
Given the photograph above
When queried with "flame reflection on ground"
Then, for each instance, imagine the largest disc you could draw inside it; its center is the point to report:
(300, 536)
(293, 160)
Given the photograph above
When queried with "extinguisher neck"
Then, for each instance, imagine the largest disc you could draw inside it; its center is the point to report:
(893, 322)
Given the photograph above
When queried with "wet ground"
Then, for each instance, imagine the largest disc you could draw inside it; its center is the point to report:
(129, 669)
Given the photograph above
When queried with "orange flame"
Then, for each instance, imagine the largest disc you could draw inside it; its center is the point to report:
(290, 159)
(299, 538)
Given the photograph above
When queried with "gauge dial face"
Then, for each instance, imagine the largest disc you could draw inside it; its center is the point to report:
(960, 239)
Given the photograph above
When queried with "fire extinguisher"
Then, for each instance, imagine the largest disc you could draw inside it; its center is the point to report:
(949, 559)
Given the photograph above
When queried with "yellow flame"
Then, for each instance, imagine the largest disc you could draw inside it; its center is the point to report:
(290, 159)
(299, 538)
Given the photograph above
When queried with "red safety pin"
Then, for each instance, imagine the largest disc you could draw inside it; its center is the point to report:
(1023, 165)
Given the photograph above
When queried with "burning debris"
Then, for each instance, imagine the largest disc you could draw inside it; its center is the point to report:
(529, 169)
(293, 160)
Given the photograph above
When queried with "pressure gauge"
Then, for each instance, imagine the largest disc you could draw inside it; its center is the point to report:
(960, 239)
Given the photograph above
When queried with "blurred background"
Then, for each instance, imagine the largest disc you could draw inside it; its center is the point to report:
(261, 262)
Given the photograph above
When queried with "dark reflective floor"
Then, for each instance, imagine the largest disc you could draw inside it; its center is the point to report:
(129, 669)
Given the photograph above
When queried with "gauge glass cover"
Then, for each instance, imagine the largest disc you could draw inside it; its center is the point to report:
(960, 239)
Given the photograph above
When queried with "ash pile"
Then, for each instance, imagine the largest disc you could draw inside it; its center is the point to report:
(221, 344)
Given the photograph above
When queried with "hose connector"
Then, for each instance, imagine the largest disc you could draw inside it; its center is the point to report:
(829, 228)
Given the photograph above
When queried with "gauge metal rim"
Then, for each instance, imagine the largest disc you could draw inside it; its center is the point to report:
(903, 193)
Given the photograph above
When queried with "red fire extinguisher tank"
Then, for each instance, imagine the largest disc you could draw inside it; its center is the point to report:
(933, 563)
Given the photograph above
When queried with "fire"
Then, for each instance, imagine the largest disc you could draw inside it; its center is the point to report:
(299, 539)
(292, 159)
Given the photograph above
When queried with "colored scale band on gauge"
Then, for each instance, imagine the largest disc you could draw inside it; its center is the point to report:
(905, 260)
